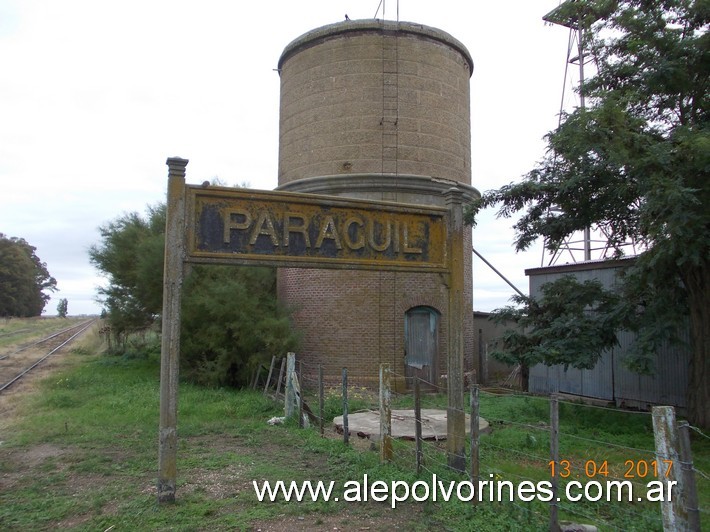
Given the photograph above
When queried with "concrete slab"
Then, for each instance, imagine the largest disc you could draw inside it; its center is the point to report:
(367, 424)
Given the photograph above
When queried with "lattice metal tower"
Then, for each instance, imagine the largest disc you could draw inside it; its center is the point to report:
(593, 243)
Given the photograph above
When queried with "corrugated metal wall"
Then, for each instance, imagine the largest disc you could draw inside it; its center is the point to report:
(610, 380)
(486, 332)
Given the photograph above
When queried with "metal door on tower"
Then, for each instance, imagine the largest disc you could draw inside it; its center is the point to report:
(421, 345)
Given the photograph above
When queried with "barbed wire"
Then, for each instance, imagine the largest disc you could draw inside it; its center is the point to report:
(544, 428)
(529, 509)
(435, 458)
(423, 381)
(696, 429)
(516, 451)
(600, 407)
(594, 519)
(602, 442)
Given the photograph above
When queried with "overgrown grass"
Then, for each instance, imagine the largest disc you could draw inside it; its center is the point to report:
(17, 331)
(82, 454)
(600, 444)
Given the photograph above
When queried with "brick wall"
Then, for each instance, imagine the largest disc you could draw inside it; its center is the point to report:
(355, 319)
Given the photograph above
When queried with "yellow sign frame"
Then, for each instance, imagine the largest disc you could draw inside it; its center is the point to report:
(282, 229)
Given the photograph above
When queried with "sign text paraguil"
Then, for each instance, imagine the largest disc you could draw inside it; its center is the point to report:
(300, 229)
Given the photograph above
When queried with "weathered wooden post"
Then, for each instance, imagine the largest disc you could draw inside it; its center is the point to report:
(385, 413)
(555, 459)
(665, 434)
(690, 489)
(321, 400)
(418, 424)
(290, 400)
(299, 394)
(170, 340)
(475, 433)
(346, 408)
(455, 415)
(281, 376)
(271, 371)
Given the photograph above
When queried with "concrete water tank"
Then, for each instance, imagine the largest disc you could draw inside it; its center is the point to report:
(375, 110)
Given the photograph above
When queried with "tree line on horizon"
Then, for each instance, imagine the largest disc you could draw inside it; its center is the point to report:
(24, 279)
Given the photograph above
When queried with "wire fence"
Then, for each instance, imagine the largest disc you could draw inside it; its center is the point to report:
(592, 464)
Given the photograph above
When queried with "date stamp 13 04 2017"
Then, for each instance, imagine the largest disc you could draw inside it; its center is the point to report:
(631, 469)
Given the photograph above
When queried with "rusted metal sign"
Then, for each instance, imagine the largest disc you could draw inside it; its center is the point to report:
(238, 226)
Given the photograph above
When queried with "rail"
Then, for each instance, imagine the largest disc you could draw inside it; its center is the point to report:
(74, 331)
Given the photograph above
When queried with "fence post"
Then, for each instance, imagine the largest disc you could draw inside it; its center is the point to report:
(299, 394)
(290, 401)
(271, 371)
(555, 458)
(281, 376)
(665, 434)
(346, 429)
(418, 423)
(255, 380)
(691, 490)
(385, 414)
(321, 399)
(475, 459)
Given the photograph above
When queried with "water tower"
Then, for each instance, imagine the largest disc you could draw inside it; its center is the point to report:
(378, 110)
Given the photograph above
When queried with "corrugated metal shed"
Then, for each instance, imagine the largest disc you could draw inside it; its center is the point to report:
(610, 380)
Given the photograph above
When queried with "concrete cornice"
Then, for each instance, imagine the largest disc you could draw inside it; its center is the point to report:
(331, 31)
(348, 183)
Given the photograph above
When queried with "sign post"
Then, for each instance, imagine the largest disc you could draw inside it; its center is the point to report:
(173, 272)
(455, 415)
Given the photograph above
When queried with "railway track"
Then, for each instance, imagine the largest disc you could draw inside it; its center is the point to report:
(16, 365)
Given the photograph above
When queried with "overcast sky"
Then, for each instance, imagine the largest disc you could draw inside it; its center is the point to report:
(96, 95)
